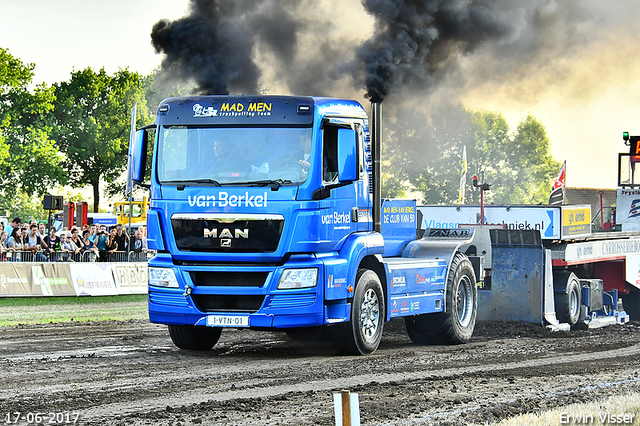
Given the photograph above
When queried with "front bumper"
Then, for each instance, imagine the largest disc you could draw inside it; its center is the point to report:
(264, 304)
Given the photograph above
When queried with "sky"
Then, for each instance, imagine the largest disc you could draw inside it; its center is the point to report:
(59, 36)
(577, 70)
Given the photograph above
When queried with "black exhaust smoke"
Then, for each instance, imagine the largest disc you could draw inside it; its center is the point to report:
(214, 44)
(416, 42)
(225, 46)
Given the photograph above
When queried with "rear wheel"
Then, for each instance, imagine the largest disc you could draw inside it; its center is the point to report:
(361, 335)
(198, 338)
(456, 324)
(568, 304)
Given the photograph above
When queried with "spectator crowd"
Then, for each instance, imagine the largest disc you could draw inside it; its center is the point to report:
(91, 243)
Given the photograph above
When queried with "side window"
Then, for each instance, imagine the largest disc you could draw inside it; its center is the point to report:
(360, 145)
(330, 154)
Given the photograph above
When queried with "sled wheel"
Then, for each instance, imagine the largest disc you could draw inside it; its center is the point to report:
(455, 325)
(198, 338)
(361, 335)
(568, 304)
(631, 303)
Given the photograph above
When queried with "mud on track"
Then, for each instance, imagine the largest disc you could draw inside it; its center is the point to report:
(129, 373)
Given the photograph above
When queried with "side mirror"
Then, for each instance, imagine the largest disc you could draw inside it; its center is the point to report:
(137, 159)
(347, 155)
(139, 155)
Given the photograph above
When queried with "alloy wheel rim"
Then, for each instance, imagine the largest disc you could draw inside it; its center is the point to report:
(369, 314)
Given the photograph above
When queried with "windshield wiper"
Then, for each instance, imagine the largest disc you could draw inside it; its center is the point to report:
(274, 184)
(182, 183)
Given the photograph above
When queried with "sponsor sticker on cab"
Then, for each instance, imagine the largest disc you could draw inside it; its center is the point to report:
(228, 321)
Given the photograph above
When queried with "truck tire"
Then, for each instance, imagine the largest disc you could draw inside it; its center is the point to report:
(197, 338)
(568, 303)
(361, 335)
(456, 324)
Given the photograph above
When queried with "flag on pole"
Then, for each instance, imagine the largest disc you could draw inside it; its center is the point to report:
(463, 178)
(558, 191)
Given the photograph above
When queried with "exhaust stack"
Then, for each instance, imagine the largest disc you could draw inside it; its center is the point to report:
(376, 151)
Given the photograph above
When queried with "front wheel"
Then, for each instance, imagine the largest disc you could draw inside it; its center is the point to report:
(361, 335)
(197, 338)
(456, 324)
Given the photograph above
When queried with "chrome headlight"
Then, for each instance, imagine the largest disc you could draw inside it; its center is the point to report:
(163, 277)
(298, 278)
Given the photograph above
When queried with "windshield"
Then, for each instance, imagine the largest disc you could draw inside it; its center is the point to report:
(219, 156)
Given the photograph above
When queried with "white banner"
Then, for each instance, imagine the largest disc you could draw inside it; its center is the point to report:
(130, 278)
(93, 279)
(543, 218)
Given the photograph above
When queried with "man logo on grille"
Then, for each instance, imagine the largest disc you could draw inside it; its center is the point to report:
(226, 233)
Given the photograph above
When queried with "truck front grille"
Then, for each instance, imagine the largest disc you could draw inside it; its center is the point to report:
(227, 302)
(227, 232)
(229, 279)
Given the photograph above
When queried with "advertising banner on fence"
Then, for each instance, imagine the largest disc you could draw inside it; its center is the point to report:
(35, 279)
(93, 279)
(54, 279)
(19, 279)
(130, 278)
(15, 280)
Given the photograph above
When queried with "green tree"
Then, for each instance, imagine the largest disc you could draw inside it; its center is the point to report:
(425, 153)
(518, 166)
(157, 86)
(538, 169)
(22, 205)
(29, 158)
(491, 158)
(92, 124)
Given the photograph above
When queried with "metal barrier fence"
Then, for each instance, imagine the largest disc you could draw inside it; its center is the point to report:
(63, 256)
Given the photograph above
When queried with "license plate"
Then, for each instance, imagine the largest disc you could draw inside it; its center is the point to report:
(228, 321)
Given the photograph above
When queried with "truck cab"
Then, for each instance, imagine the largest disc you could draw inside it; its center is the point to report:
(261, 214)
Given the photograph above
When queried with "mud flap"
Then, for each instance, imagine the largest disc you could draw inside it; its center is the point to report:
(521, 280)
(549, 311)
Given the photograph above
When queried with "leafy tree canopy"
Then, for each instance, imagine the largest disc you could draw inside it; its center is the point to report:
(29, 158)
(424, 153)
(92, 124)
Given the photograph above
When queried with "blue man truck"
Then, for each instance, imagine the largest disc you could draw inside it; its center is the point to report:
(266, 213)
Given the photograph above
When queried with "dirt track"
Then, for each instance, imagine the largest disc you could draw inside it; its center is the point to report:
(129, 373)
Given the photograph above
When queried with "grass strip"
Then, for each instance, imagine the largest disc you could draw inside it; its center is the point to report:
(68, 300)
(621, 409)
(44, 310)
